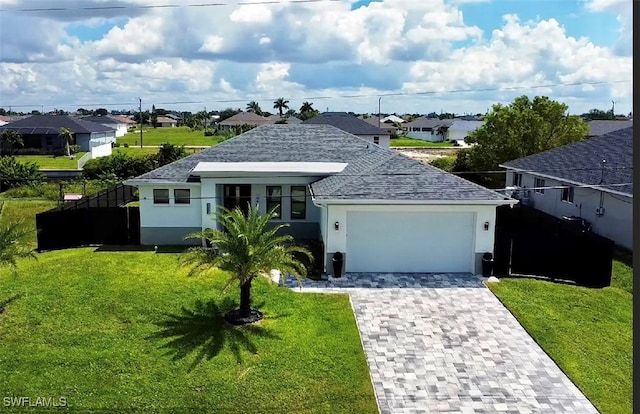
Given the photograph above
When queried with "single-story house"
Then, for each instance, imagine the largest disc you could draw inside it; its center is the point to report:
(353, 125)
(460, 129)
(599, 127)
(385, 126)
(244, 118)
(428, 129)
(383, 211)
(43, 131)
(166, 122)
(390, 119)
(591, 179)
(120, 126)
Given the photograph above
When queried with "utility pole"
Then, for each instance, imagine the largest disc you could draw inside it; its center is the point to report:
(613, 110)
(140, 108)
(379, 99)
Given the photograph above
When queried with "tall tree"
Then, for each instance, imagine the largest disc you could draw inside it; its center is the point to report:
(101, 112)
(67, 138)
(12, 139)
(254, 107)
(154, 116)
(280, 104)
(306, 107)
(247, 248)
(522, 128)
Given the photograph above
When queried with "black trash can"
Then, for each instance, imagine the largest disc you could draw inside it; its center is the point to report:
(338, 260)
(487, 264)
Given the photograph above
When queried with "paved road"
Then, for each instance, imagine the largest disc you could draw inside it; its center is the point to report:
(445, 343)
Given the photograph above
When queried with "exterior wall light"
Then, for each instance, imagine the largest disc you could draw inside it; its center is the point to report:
(486, 226)
(336, 225)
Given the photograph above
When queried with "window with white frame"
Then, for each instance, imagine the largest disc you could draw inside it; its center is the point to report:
(298, 202)
(517, 179)
(160, 196)
(376, 140)
(182, 196)
(274, 198)
(539, 185)
(567, 194)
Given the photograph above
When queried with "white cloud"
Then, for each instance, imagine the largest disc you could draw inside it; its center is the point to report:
(251, 14)
(212, 44)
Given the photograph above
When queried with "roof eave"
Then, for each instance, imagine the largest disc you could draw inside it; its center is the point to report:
(509, 201)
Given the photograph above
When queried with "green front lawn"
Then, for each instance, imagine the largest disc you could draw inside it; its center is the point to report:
(412, 142)
(52, 163)
(588, 332)
(20, 210)
(178, 136)
(128, 331)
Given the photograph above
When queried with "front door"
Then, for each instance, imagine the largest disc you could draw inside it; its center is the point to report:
(237, 195)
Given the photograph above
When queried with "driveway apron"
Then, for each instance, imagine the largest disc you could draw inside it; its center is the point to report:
(443, 343)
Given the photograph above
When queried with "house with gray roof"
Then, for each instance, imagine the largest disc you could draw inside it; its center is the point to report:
(43, 131)
(353, 125)
(383, 211)
(119, 125)
(428, 129)
(599, 127)
(591, 179)
(243, 118)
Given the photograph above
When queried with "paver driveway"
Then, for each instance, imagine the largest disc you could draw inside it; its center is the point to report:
(443, 343)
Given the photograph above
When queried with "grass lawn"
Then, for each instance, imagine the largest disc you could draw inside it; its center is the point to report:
(178, 136)
(129, 330)
(51, 162)
(588, 332)
(19, 210)
(137, 151)
(412, 142)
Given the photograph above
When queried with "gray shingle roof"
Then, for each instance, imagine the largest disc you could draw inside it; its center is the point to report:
(346, 122)
(51, 124)
(101, 120)
(424, 122)
(602, 127)
(249, 118)
(581, 162)
(373, 172)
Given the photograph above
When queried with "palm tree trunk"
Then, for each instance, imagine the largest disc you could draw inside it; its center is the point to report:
(245, 298)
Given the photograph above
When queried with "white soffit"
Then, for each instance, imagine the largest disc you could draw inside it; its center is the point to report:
(294, 168)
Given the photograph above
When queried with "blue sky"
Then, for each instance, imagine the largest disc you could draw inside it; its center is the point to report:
(224, 56)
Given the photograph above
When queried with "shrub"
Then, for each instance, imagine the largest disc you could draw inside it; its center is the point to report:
(210, 133)
(445, 163)
(74, 149)
(169, 153)
(115, 144)
(14, 173)
(126, 145)
(51, 190)
(120, 165)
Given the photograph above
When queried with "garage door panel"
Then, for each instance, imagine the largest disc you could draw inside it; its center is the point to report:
(409, 242)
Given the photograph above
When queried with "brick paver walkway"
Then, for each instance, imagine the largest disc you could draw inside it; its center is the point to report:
(443, 343)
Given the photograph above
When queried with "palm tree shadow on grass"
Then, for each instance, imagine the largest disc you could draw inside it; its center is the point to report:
(203, 331)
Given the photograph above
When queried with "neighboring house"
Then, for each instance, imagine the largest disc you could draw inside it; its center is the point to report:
(4, 120)
(353, 125)
(389, 127)
(384, 211)
(599, 192)
(428, 129)
(391, 119)
(120, 126)
(599, 127)
(43, 131)
(166, 122)
(125, 119)
(460, 129)
(243, 118)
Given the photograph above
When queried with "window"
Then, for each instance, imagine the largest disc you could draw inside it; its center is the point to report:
(182, 196)
(567, 194)
(538, 184)
(517, 179)
(274, 198)
(298, 203)
(426, 129)
(160, 196)
(376, 140)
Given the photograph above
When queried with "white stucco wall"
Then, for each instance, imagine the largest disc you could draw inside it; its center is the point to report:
(384, 139)
(170, 215)
(100, 150)
(615, 223)
(427, 136)
(336, 240)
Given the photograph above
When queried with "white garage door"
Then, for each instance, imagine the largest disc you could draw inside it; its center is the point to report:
(409, 242)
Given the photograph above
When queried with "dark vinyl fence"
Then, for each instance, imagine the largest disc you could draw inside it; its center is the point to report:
(98, 220)
(531, 242)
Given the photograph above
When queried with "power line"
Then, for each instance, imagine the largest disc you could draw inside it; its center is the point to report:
(352, 96)
(165, 6)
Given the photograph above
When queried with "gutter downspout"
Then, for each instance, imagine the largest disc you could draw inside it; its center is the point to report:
(326, 232)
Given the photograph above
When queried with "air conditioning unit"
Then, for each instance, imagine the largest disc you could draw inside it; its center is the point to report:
(516, 192)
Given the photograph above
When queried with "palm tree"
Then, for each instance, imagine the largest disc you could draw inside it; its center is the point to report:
(246, 248)
(255, 107)
(280, 104)
(11, 138)
(12, 245)
(306, 107)
(67, 137)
